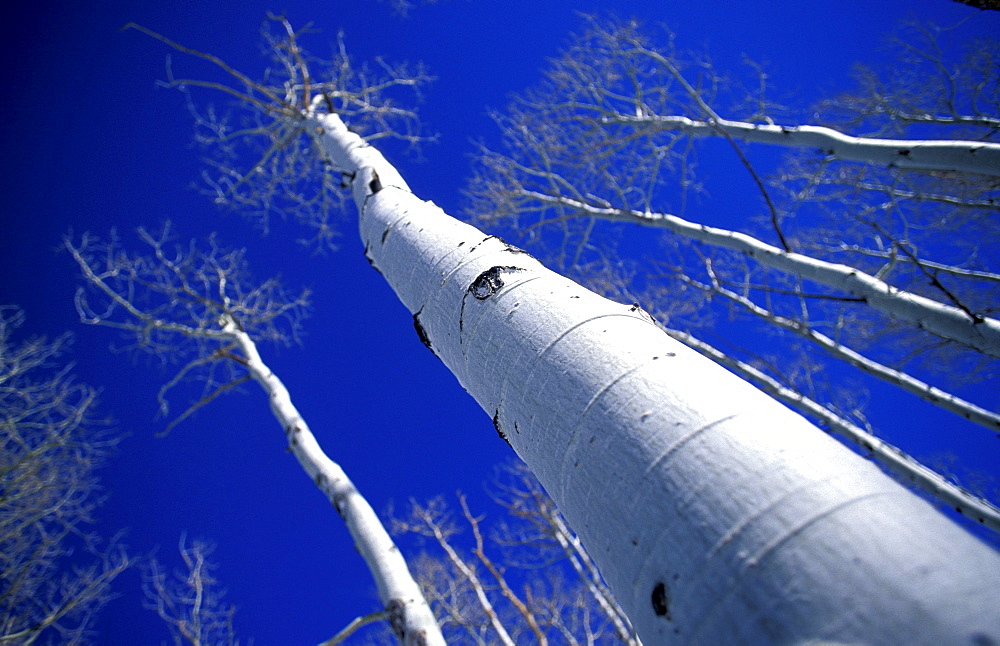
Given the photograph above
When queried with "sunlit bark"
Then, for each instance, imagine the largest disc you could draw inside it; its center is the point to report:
(698, 496)
(715, 513)
(917, 154)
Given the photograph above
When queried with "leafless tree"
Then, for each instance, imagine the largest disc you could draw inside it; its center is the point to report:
(202, 309)
(190, 600)
(55, 575)
(926, 231)
(525, 578)
(264, 123)
(707, 477)
(184, 294)
(870, 248)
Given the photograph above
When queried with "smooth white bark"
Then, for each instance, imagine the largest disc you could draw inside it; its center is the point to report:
(914, 154)
(404, 603)
(890, 457)
(716, 514)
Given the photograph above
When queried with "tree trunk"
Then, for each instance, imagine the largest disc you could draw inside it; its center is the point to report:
(715, 514)
(408, 613)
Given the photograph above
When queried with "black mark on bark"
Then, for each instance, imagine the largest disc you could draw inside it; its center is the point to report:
(661, 603)
(496, 425)
(508, 247)
(490, 281)
(421, 332)
(338, 504)
(376, 184)
(484, 286)
(396, 610)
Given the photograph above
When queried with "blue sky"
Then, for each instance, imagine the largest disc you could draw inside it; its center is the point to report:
(91, 142)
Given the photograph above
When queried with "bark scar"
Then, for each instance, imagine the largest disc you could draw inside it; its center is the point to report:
(421, 332)
(661, 601)
(496, 425)
(490, 281)
(376, 184)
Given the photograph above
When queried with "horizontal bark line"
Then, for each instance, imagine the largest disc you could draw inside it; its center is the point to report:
(933, 483)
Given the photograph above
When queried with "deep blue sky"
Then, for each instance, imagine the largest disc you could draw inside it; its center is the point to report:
(90, 142)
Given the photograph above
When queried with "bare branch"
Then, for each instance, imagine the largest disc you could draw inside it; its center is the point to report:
(943, 320)
(267, 125)
(907, 382)
(563, 596)
(189, 600)
(174, 304)
(201, 306)
(431, 520)
(356, 623)
(51, 445)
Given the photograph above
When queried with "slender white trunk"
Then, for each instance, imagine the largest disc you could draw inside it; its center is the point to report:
(715, 513)
(916, 154)
(946, 321)
(410, 616)
(909, 383)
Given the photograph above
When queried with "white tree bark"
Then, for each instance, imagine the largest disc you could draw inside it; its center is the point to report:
(946, 321)
(947, 401)
(890, 457)
(408, 613)
(196, 297)
(914, 154)
(716, 514)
